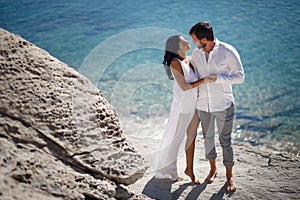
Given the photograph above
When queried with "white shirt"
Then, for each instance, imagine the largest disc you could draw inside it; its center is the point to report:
(224, 61)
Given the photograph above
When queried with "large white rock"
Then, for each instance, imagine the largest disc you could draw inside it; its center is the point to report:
(59, 137)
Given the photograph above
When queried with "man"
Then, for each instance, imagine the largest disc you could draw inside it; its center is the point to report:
(215, 100)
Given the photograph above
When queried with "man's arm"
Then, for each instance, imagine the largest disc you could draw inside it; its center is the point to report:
(237, 75)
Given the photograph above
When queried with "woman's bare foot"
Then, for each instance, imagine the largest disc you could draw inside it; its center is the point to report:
(192, 176)
(178, 179)
(231, 187)
(211, 176)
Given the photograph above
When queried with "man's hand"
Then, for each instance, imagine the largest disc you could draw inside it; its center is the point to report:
(211, 78)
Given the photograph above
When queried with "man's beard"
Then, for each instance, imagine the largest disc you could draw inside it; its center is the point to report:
(202, 46)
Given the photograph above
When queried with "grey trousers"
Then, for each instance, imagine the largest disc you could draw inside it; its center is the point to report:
(224, 121)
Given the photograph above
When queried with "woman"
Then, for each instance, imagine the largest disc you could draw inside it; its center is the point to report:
(183, 117)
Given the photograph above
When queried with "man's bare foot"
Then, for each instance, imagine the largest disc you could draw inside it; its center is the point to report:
(192, 176)
(211, 176)
(231, 187)
(178, 179)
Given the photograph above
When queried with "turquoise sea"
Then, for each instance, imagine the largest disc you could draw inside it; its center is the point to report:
(119, 45)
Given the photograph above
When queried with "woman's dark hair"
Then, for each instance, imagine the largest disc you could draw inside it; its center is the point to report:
(171, 49)
(203, 30)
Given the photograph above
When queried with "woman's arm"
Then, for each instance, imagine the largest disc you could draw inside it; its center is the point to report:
(179, 77)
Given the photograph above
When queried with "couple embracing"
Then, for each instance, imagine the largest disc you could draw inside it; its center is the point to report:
(202, 93)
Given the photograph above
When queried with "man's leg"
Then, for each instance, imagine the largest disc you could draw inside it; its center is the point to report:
(208, 128)
(225, 122)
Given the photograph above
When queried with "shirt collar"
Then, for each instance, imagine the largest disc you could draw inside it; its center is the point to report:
(217, 43)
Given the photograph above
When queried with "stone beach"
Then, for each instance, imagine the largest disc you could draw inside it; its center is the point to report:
(61, 139)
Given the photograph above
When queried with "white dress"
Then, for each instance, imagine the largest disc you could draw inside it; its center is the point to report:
(181, 113)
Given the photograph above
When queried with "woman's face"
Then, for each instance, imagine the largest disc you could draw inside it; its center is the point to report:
(198, 42)
(184, 45)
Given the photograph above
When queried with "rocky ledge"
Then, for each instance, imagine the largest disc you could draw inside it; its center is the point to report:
(59, 137)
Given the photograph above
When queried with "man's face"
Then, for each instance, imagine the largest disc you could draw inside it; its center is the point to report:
(199, 43)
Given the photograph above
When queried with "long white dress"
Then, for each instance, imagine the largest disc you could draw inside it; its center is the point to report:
(181, 113)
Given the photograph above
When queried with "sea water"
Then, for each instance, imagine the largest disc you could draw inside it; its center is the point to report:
(119, 46)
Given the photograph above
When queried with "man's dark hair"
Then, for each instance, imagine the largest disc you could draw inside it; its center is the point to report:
(203, 30)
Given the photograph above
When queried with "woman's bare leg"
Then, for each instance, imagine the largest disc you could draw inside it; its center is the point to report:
(190, 148)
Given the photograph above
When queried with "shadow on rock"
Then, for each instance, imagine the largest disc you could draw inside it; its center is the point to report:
(194, 192)
(221, 193)
(158, 188)
(162, 189)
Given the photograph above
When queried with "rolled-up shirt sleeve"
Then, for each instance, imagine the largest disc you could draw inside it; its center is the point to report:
(236, 72)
